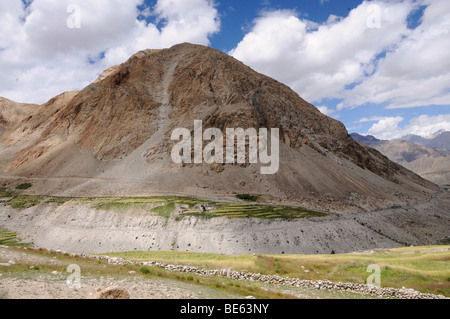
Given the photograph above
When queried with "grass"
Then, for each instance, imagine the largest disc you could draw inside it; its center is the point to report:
(5, 192)
(165, 210)
(16, 200)
(25, 201)
(57, 200)
(95, 268)
(255, 211)
(211, 261)
(161, 205)
(165, 206)
(426, 269)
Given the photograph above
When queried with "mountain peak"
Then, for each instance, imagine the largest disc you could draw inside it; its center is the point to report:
(119, 129)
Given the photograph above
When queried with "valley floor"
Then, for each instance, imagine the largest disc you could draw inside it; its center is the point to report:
(139, 229)
(27, 273)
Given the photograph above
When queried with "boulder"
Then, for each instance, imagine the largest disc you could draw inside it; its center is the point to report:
(112, 293)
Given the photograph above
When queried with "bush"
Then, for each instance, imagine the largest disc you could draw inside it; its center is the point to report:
(144, 270)
(247, 197)
(24, 186)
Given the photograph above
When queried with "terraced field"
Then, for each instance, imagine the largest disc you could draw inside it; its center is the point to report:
(246, 210)
(166, 206)
(9, 238)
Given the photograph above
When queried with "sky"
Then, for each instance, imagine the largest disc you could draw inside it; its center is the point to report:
(380, 67)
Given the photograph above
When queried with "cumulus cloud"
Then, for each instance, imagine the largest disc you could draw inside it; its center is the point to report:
(325, 110)
(386, 128)
(321, 62)
(370, 57)
(417, 71)
(389, 127)
(41, 55)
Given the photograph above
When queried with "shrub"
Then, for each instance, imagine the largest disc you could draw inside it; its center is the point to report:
(247, 197)
(144, 270)
(24, 186)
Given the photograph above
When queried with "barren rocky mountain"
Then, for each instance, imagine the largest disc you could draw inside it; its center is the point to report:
(430, 163)
(113, 138)
(439, 140)
(11, 113)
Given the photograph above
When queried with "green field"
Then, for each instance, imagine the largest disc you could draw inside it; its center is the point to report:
(426, 269)
(5, 192)
(245, 210)
(8, 238)
(165, 206)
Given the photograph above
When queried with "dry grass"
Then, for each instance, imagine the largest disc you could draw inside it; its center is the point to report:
(426, 269)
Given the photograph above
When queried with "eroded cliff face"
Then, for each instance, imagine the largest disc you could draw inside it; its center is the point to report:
(120, 127)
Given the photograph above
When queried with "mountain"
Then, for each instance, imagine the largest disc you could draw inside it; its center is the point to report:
(439, 140)
(114, 138)
(11, 113)
(403, 152)
(430, 163)
(369, 140)
(442, 141)
(415, 139)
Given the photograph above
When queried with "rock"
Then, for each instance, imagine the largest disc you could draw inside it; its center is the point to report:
(112, 293)
(250, 297)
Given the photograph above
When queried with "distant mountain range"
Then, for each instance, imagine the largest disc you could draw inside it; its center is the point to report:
(428, 157)
(440, 141)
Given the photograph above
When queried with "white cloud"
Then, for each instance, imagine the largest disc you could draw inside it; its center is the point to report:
(41, 57)
(344, 58)
(417, 71)
(371, 119)
(388, 127)
(325, 110)
(320, 63)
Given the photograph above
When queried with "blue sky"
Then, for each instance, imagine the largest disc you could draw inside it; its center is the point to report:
(382, 67)
(237, 16)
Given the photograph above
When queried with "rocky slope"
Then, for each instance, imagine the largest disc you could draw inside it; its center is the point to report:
(113, 138)
(432, 164)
